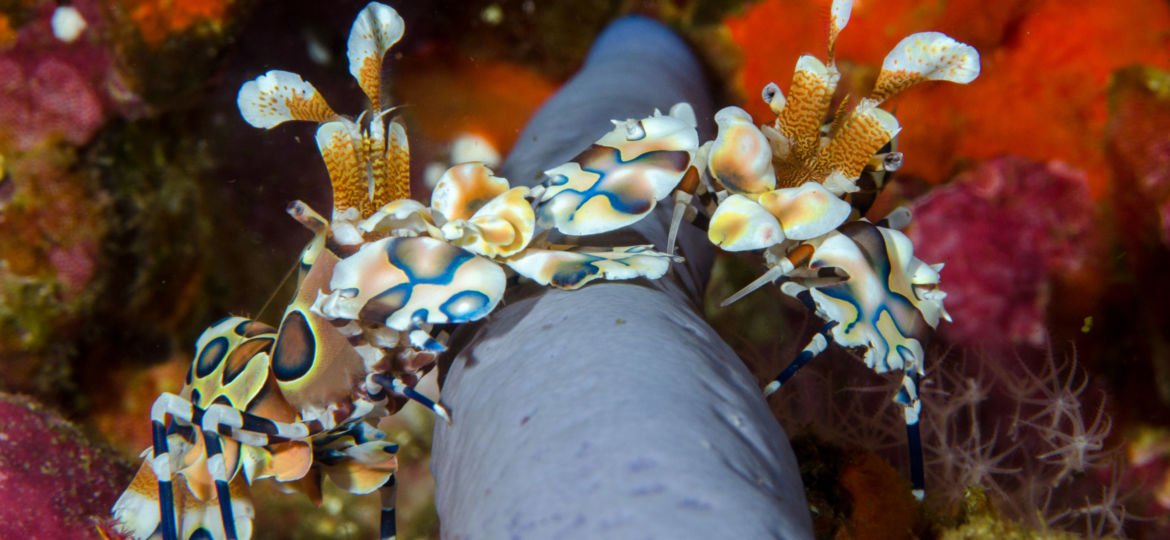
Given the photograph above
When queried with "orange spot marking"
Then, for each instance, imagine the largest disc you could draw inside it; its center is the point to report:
(370, 79)
(800, 121)
(892, 83)
(349, 189)
(853, 146)
(314, 109)
(397, 183)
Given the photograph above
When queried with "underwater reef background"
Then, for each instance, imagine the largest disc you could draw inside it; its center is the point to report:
(136, 207)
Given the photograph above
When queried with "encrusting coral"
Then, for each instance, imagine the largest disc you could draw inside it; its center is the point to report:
(54, 481)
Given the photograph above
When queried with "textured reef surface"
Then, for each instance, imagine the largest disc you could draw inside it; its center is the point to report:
(55, 482)
(136, 207)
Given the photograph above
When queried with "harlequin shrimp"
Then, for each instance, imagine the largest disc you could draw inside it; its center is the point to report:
(797, 191)
(405, 266)
(296, 402)
(261, 403)
(302, 401)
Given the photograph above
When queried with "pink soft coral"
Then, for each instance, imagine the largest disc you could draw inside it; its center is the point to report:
(1005, 230)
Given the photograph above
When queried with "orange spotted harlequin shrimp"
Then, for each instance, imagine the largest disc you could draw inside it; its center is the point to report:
(303, 401)
(258, 402)
(796, 192)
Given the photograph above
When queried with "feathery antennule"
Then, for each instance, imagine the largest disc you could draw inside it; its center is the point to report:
(925, 56)
(338, 143)
(376, 28)
(808, 102)
(838, 18)
(281, 96)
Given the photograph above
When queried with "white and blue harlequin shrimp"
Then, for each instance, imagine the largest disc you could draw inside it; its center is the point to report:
(258, 402)
(796, 191)
(303, 401)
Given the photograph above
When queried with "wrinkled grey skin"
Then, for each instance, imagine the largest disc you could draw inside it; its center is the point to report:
(613, 411)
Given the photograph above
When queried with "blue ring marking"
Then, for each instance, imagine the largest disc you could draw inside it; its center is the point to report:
(398, 250)
(902, 397)
(840, 291)
(806, 298)
(381, 307)
(210, 356)
(571, 273)
(465, 306)
(249, 329)
(433, 345)
(158, 435)
(601, 160)
(241, 356)
(873, 247)
(295, 349)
